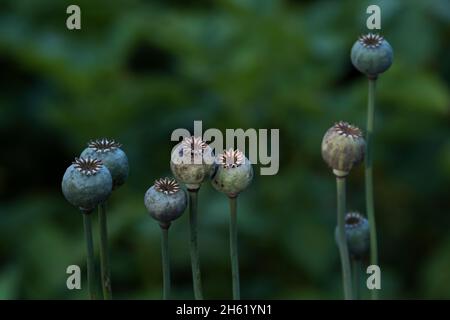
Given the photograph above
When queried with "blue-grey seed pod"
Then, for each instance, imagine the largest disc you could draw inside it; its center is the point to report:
(109, 152)
(357, 232)
(343, 147)
(165, 201)
(233, 173)
(192, 162)
(372, 54)
(86, 183)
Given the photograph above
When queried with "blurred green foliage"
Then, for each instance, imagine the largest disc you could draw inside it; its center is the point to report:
(140, 69)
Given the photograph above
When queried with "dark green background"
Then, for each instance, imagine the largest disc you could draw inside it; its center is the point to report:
(140, 69)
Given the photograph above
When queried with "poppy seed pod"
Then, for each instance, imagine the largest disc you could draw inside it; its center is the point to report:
(233, 173)
(192, 162)
(109, 152)
(357, 232)
(343, 147)
(86, 183)
(372, 54)
(165, 201)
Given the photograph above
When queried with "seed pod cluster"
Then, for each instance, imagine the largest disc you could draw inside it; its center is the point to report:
(89, 181)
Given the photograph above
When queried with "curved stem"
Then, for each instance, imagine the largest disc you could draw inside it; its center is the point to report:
(356, 271)
(234, 249)
(90, 254)
(369, 178)
(104, 253)
(342, 239)
(165, 261)
(196, 276)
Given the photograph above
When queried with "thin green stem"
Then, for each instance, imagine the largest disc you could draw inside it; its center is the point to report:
(369, 178)
(104, 253)
(196, 275)
(90, 254)
(342, 239)
(165, 261)
(356, 271)
(234, 249)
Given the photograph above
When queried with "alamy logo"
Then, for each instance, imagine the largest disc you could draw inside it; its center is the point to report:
(74, 20)
(74, 280)
(374, 280)
(374, 20)
(256, 140)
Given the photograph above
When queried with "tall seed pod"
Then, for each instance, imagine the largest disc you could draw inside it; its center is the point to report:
(192, 162)
(86, 184)
(358, 240)
(114, 158)
(233, 174)
(372, 55)
(342, 149)
(165, 202)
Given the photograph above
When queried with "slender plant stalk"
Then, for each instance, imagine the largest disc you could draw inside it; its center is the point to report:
(234, 249)
(356, 271)
(165, 262)
(369, 179)
(343, 249)
(196, 275)
(90, 254)
(104, 253)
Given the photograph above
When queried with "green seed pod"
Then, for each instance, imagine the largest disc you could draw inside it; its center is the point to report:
(372, 54)
(357, 233)
(192, 162)
(343, 147)
(109, 152)
(165, 201)
(233, 174)
(86, 183)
